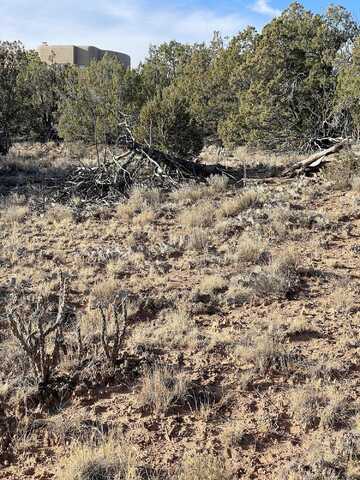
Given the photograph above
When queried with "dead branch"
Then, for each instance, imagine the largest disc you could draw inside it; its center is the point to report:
(315, 160)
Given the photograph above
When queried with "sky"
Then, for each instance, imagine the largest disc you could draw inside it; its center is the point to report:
(131, 26)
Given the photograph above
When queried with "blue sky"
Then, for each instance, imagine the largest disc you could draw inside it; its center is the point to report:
(132, 25)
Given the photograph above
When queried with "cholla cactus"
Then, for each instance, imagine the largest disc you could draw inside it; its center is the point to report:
(39, 331)
(112, 342)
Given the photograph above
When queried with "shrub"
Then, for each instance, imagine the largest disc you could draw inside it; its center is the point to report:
(165, 123)
(97, 102)
(12, 62)
(113, 330)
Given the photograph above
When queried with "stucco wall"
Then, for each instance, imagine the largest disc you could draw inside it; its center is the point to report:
(77, 55)
(57, 53)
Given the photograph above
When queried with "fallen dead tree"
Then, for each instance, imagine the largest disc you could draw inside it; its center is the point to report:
(143, 165)
(315, 161)
(140, 165)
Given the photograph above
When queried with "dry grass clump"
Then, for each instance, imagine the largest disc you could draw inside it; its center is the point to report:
(327, 408)
(339, 412)
(307, 406)
(326, 370)
(128, 210)
(177, 330)
(212, 284)
(342, 170)
(108, 460)
(251, 157)
(233, 206)
(89, 323)
(319, 470)
(4, 390)
(15, 364)
(222, 227)
(341, 300)
(202, 467)
(327, 458)
(286, 222)
(59, 213)
(197, 239)
(267, 352)
(150, 196)
(14, 214)
(104, 292)
(301, 327)
(144, 218)
(199, 216)
(75, 428)
(355, 184)
(190, 193)
(282, 219)
(229, 208)
(270, 354)
(140, 201)
(218, 183)
(162, 388)
(116, 266)
(238, 295)
(279, 278)
(278, 227)
(234, 433)
(249, 249)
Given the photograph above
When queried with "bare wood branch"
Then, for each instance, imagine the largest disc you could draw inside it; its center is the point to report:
(315, 160)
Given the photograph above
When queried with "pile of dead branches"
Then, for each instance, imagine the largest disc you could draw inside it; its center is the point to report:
(139, 165)
(143, 165)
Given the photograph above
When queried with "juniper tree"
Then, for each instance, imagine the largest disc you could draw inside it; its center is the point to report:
(12, 61)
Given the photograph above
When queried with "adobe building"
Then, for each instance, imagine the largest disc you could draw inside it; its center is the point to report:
(77, 55)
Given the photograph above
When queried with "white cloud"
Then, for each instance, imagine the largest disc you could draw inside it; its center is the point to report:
(125, 25)
(264, 8)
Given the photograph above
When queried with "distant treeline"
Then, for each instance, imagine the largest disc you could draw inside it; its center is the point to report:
(290, 86)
